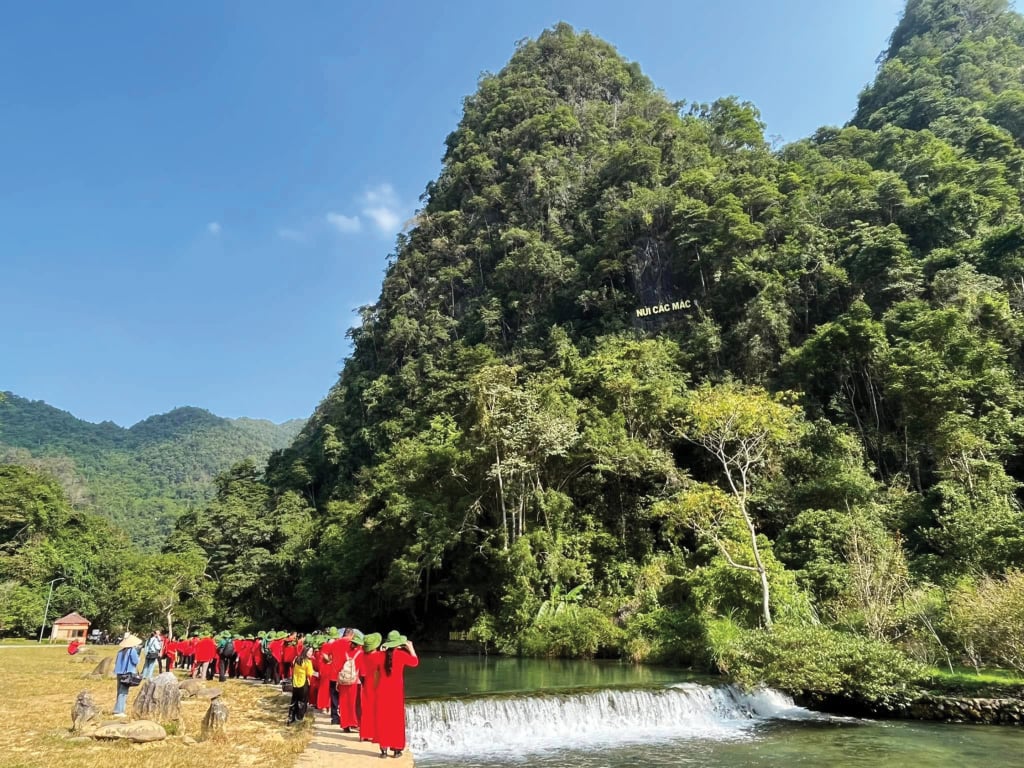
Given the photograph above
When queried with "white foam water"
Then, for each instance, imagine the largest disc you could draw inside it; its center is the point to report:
(522, 725)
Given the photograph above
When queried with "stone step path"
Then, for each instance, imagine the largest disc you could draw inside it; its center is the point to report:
(332, 748)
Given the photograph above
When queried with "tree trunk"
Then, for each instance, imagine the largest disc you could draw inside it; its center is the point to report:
(501, 497)
(766, 610)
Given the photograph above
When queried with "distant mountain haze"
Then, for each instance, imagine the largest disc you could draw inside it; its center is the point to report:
(143, 477)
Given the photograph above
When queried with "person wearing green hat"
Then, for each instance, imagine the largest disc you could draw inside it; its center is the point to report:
(396, 653)
(227, 653)
(367, 703)
(348, 680)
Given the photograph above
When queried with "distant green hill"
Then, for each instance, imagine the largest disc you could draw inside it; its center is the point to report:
(141, 478)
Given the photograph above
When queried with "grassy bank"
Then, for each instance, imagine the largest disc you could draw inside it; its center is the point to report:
(965, 681)
(40, 685)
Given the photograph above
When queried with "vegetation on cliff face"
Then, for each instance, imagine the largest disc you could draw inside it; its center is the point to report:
(638, 384)
(633, 374)
(141, 478)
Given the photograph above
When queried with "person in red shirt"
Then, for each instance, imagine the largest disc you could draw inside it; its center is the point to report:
(275, 664)
(327, 696)
(73, 647)
(288, 654)
(348, 681)
(398, 653)
(257, 657)
(189, 650)
(169, 651)
(206, 652)
(368, 668)
(243, 647)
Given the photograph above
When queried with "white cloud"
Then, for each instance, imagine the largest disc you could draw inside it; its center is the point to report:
(344, 224)
(380, 205)
(213, 228)
(292, 235)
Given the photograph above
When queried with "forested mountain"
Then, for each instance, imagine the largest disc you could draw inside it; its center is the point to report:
(141, 478)
(637, 383)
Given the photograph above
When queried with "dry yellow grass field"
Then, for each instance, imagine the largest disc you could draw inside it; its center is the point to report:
(39, 686)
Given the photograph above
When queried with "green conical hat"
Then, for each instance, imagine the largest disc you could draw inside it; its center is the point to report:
(372, 641)
(394, 640)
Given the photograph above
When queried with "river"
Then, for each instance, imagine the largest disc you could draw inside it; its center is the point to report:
(469, 712)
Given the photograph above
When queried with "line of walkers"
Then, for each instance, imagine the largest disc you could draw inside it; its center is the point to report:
(358, 679)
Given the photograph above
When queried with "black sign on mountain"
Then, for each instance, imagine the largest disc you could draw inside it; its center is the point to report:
(660, 298)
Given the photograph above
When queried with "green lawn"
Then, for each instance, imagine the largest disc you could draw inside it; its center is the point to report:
(981, 682)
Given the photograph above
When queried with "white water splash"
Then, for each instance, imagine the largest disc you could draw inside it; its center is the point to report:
(518, 725)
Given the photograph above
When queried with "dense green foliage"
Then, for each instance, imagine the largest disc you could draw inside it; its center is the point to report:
(804, 467)
(822, 438)
(141, 478)
(95, 569)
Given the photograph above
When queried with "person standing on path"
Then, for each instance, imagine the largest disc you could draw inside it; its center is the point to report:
(154, 647)
(126, 662)
(348, 682)
(302, 671)
(398, 653)
(368, 686)
(226, 649)
(205, 653)
(170, 652)
(327, 696)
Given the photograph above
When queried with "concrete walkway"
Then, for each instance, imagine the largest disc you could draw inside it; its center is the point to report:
(331, 748)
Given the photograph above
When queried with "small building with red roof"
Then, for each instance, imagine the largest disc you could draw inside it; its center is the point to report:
(74, 626)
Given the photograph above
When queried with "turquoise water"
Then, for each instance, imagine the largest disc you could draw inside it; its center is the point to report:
(441, 676)
(469, 712)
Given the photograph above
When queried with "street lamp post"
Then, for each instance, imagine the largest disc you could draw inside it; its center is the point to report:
(46, 611)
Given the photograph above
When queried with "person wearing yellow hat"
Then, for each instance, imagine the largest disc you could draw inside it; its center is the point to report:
(125, 665)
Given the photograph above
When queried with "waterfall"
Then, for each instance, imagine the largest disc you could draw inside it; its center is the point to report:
(515, 725)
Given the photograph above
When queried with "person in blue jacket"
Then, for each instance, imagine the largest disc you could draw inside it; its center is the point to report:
(127, 661)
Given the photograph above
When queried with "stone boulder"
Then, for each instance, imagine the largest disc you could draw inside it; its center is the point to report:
(190, 687)
(105, 668)
(158, 699)
(138, 731)
(83, 711)
(211, 693)
(216, 719)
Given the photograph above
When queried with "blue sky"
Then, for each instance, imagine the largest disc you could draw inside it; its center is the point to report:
(196, 196)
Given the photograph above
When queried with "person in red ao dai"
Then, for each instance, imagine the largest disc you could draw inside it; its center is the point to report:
(398, 654)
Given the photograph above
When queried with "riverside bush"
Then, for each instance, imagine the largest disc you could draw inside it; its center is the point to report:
(815, 660)
(987, 619)
(576, 631)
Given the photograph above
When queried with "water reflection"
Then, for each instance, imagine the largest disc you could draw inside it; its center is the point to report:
(443, 676)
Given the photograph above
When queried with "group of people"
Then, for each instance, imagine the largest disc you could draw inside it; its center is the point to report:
(358, 679)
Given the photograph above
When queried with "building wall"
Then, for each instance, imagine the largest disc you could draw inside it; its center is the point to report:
(70, 632)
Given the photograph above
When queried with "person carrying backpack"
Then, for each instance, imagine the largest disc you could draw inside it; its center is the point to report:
(226, 649)
(348, 682)
(125, 664)
(154, 647)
